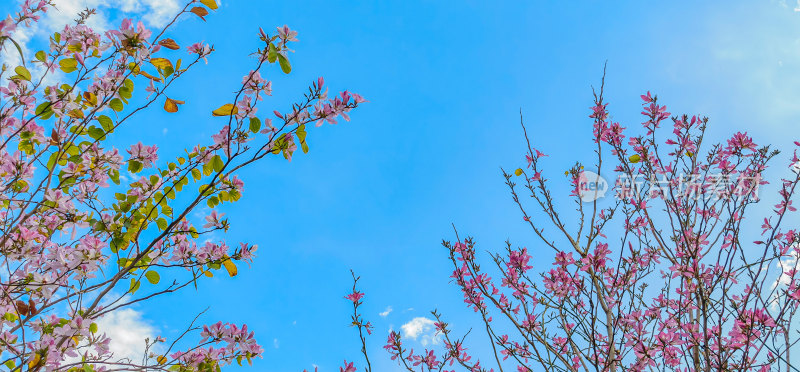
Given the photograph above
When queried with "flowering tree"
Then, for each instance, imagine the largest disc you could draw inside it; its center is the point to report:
(671, 273)
(87, 229)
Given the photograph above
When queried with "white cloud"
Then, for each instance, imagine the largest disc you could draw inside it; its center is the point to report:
(386, 313)
(159, 11)
(276, 343)
(127, 331)
(783, 280)
(421, 328)
(154, 13)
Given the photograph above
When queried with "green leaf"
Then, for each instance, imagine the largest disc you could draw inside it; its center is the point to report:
(197, 174)
(68, 64)
(41, 56)
(93, 328)
(43, 110)
(42, 107)
(285, 66)
(116, 105)
(272, 53)
(134, 286)
(152, 277)
(255, 124)
(234, 195)
(162, 224)
(217, 163)
(11, 364)
(23, 72)
(135, 166)
(96, 133)
(168, 71)
(301, 135)
(51, 161)
(206, 190)
(114, 174)
(106, 123)
(128, 83)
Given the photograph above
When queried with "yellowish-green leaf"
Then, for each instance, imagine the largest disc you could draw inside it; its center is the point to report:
(68, 64)
(635, 158)
(255, 124)
(23, 72)
(217, 163)
(162, 224)
(272, 53)
(284, 62)
(134, 286)
(161, 63)
(105, 122)
(225, 110)
(116, 105)
(152, 277)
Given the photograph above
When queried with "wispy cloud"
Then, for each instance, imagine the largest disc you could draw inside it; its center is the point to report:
(750, 55)
(386, 312)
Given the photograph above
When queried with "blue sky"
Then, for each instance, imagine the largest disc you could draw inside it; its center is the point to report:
(445, 81)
